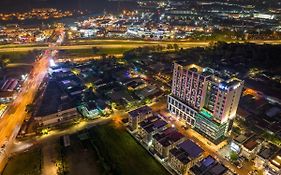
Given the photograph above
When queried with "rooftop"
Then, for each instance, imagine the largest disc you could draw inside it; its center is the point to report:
(268, 152)
(208, 161)
(191, 148)
(218, 169)
(168, 136)
(243, 137)
(277, 159)
(181, 155)
(140, 111)
(250, 144)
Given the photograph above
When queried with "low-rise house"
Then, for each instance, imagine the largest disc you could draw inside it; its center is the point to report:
(275, 163)
(149, 127)
(250, 148)
(8, 90)
(89, 110)
(148, 91)
(165, 141)
(184, 155)
(63, 116)
(237, 142)
(138, 115)
(265, 155)
(209, 166)
(10, 85)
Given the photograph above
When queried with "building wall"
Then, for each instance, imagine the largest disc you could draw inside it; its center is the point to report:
(135, 120)
(189, 86)
(59, 117)
(164, 151)
(181, 110)
(194, 89)
(250, 154)
(180, 167)
(210, 128)
(228, 103)
(177, 165)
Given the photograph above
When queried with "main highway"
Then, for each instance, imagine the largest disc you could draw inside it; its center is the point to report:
(13, 118)
(88, 44)
(15, 115)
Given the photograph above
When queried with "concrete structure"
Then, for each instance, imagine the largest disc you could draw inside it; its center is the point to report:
(203, 99)
(63, 116)
(250, 148)
(184, 155)
(164, 141)
(265, 155)
(149, 127)
(275, 163)
(209, 166)
(92, 109)
(138, 115)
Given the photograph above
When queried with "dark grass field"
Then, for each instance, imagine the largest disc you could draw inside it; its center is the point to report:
(25, 163)
(122, 153)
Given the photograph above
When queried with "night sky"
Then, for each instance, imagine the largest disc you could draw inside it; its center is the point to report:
(24, 5)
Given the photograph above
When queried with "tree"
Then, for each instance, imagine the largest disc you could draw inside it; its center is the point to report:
(148, 101)
(29, 108)
(176, 47)
(233, 156)
(95, 50)
(4, 61)
(169, 46)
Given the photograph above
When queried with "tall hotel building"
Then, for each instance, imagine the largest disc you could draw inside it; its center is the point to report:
(204, 100)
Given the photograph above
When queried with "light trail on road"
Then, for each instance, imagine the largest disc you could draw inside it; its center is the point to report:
(12, 120)
(128, 44)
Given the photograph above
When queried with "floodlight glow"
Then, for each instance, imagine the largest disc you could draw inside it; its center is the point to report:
(52, 63)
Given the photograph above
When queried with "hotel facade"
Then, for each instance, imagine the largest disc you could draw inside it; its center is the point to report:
(204, 100)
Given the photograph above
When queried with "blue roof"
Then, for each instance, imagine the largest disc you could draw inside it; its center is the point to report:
(208, 161)
(159, 123)
(191, 148)
(218, 169)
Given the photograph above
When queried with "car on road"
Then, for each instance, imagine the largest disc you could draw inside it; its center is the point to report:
(240, 165)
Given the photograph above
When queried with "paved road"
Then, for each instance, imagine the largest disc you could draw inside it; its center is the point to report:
(124, 44)
(13, 118)
(103, 45)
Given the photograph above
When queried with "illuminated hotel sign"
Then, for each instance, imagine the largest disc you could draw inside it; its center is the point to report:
(223, 86)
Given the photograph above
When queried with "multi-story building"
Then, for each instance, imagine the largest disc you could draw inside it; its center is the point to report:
(184, 155)
(149, 127)
(209, 165)
(166, 140)
(204, 99)
(138, 115)
(66, 115)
